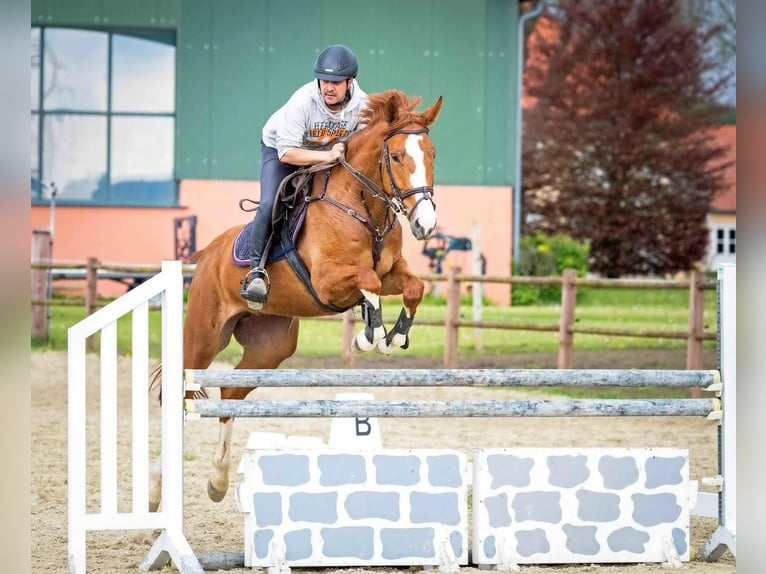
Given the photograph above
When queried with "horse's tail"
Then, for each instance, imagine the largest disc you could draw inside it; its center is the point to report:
(155, 382)
(155, 386)
(194, 257)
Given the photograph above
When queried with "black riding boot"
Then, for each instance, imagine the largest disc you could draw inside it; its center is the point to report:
(255, 285)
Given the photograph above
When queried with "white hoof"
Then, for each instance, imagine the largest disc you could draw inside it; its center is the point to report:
(398, 341)
(384, 349)
(360, 343)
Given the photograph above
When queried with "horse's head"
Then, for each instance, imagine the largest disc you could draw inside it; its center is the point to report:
(407, 157)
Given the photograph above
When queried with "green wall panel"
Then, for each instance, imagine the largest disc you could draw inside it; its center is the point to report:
(193, 89)
(404, 50)
(362, 36)
(294, 41)
(501, 50)
(459, 72)
(239, 87)
(106, 13)
(167, 12)
(138, 13)
(38, 10)
(80, 13)
(238, 60)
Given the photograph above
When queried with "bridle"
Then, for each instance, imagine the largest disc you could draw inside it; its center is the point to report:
(397, 201)
(394, 203)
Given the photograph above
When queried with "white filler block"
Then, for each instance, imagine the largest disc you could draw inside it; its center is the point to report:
(566, 505)
(323, 506)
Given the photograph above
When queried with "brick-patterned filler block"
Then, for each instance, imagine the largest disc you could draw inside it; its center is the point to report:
(327, 507)
(597, 505)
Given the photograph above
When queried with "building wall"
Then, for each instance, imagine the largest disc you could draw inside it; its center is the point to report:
(727, 224)
(145, 236)
(238, 60)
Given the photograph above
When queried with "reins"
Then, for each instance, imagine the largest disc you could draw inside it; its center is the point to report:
(396, 204)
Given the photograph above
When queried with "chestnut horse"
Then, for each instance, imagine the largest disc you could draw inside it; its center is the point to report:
(351, 244)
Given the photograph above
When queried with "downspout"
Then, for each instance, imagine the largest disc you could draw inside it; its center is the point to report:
(534, 13)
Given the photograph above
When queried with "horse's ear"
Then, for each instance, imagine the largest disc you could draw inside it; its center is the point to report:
(392, 110)
(430, 115)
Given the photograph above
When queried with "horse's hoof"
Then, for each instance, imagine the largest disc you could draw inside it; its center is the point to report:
(153, 506)
(384, 349)
(215, 494)
(361, 344)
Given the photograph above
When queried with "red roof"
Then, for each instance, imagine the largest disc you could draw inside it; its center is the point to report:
(726, 201)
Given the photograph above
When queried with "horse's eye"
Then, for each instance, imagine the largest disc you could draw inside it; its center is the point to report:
(396, 156)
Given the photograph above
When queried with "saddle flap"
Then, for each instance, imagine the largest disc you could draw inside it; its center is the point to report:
(288, 215)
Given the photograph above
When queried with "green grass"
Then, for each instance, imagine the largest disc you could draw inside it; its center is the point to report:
(603, 307)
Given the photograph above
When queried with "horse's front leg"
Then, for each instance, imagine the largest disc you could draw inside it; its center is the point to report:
(339, 283)
(374, 332)
(401, 281)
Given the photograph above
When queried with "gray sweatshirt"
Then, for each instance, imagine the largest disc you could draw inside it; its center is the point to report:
(306, 122)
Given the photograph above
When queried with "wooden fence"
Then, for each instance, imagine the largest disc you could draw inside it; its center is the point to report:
(567, 327)
(92, 271)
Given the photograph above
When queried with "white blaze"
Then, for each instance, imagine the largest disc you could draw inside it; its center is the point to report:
(425, 214)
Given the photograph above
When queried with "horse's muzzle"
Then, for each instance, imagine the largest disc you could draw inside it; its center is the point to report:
(422, 227)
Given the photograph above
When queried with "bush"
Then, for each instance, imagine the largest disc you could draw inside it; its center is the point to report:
(542, 255)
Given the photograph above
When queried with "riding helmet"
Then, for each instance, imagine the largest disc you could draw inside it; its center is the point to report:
(335, 63)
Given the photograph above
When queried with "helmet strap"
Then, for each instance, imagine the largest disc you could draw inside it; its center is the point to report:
(349, 87)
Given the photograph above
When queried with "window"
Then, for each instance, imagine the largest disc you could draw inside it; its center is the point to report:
(726, 240)
(103, 116)
(720, 246)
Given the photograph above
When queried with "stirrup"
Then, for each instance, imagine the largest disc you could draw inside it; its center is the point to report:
(255, 287)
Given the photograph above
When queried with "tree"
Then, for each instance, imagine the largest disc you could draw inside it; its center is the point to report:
(723, 48)
(620, 146)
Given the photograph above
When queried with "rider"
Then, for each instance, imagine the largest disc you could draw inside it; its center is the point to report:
(308, 129)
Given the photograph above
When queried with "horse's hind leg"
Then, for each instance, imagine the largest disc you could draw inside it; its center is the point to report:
(267, 341)
(202, 342)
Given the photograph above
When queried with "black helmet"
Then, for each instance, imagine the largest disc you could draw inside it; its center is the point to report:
(335, 63)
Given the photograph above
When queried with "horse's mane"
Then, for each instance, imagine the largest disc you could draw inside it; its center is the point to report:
(392, 108)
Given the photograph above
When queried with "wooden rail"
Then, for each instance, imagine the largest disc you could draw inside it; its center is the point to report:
(43, 272)
(448, 378)
(497, 408)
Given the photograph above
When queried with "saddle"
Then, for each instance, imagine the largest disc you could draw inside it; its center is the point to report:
(287, 218)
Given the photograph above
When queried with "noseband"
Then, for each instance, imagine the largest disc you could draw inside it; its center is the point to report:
(399, 195)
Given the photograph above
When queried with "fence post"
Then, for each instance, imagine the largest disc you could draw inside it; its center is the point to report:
(91, 294)
(477, 289)
(348, 335)
(566, 336)
(450, 321)
(696, 325)
(41, 252)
